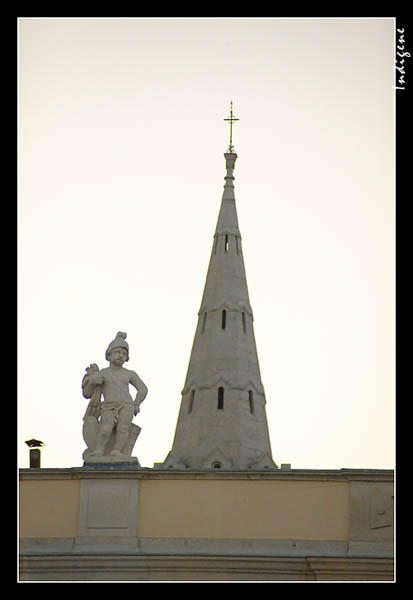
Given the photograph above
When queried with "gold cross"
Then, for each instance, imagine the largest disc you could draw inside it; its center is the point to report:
(231, 119)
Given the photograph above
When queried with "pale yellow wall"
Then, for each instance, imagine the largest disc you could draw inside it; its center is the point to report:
(311, 510)
(49, 508)
(259, 509)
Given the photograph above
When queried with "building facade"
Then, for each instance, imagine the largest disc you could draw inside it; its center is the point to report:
(129, 524)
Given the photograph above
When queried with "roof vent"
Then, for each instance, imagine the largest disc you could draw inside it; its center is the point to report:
(285, 466)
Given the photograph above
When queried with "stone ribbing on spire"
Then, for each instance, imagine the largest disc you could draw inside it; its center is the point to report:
(222, 420)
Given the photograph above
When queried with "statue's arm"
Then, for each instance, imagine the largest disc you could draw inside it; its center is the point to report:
(141, 388)
(90, 381)
(87, 387)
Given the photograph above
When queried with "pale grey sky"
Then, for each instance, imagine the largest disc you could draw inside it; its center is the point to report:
(121, 171)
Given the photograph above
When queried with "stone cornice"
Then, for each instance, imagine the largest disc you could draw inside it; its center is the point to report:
(344, 475)
(171, 560)
(293, 548)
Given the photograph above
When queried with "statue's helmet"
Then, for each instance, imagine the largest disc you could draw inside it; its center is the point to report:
(118, 342)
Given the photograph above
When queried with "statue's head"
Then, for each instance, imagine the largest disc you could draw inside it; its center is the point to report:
(118, 342)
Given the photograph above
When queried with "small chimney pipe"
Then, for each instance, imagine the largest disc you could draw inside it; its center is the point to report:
(34, 446)
(35, 458)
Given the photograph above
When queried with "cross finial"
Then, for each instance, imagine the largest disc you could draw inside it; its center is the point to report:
(231, 119)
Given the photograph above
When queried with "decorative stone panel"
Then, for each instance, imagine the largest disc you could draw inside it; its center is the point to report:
(108, 507)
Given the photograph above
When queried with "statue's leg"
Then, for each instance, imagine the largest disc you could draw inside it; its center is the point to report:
(125, 417)
(107, 421)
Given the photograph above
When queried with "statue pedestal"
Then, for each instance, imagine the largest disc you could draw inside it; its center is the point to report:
(90, 429)
(111, 460)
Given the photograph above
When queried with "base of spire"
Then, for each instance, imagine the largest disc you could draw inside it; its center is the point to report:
(219, 460)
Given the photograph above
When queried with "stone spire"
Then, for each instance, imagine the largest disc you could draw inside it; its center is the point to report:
(222, 420)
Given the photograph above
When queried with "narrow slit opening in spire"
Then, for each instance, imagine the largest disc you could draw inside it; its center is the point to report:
(244, 323)
(226, 244)
(251, 401)
(220, 398)
(204, 320)
(224, 319)
(191, 402)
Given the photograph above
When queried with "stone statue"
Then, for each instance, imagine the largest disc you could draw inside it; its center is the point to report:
(108, 429)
